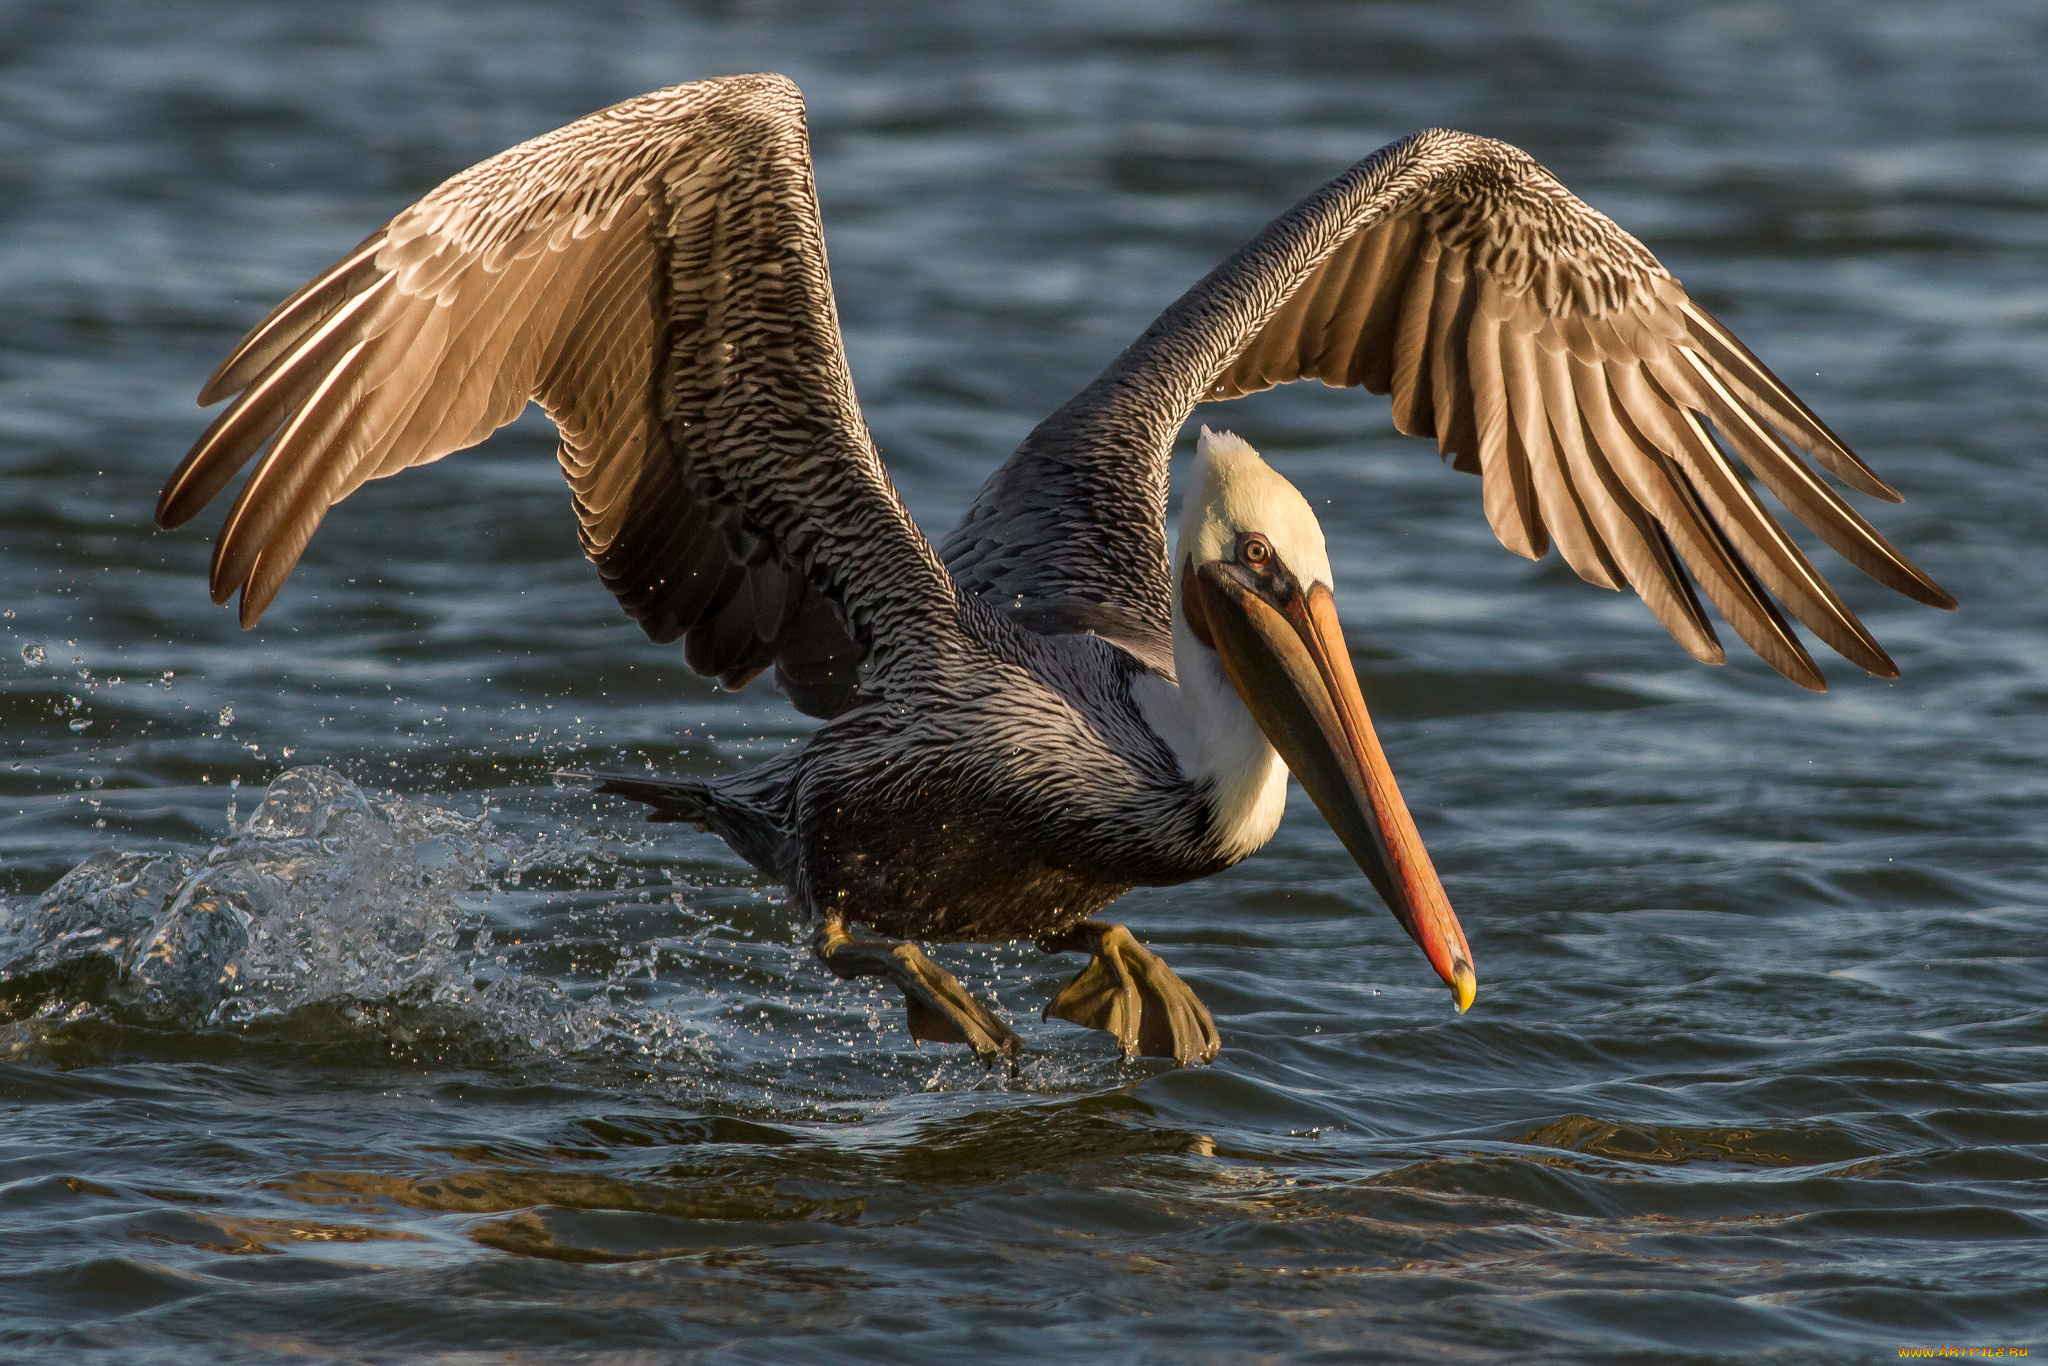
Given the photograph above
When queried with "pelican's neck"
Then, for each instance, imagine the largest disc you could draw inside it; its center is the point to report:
(1216, 741)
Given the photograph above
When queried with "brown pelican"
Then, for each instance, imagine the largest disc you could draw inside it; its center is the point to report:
(1043, 711)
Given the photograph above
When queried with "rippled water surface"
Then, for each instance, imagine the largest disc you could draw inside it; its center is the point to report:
(423, 1056)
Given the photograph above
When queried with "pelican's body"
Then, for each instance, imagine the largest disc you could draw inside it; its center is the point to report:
(1056, 773)
(1043, 710)
(935, 826)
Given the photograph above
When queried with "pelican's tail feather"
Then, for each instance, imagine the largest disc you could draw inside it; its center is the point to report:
(749, 810)
(673, 799)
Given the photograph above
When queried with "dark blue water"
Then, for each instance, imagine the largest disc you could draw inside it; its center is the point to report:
(1759, 1066)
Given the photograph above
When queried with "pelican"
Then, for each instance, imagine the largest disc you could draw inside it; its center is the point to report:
(1046, 708)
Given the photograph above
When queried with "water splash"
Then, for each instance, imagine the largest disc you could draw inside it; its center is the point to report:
(337, 918)
(327, 909)
(323, 892)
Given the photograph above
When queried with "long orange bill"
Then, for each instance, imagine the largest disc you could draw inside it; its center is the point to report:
(1284, 652)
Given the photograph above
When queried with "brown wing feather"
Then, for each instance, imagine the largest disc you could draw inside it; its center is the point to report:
(1548, 351)
(1639, 543)
(654, 277)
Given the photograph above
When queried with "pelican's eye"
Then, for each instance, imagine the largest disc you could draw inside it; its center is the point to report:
(1255, 550)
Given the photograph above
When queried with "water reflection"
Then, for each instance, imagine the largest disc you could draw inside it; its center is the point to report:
(1666, 1144)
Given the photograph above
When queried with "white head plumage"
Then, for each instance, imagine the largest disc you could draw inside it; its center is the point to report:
(1232, 490)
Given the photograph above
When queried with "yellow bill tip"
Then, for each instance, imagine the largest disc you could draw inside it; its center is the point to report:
(1464, 985)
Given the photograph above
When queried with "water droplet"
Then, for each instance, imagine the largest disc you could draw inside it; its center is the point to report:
(227, 715)
(34, 653)
(77, 726)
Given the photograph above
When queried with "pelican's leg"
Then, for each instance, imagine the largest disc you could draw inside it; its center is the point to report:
(1127, 990)
(940, 1009)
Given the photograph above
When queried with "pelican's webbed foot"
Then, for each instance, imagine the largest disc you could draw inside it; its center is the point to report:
(1127, 990)
(940, 1008)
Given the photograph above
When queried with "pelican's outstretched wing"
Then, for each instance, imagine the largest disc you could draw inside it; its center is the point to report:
(654, 276)
(1542, 346)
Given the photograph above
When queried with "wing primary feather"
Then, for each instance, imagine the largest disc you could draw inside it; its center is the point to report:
(1762, 544)
(222, 449)
(1769, 394)
(275, 562)
(1639, 544)
(1710, 651)
(296, 507)
(1660, 487)
(1743, 602)
(1780, 628)
(241, 431)
(271, 567)
(1809, 498)
(268, 494)
(281, 328)
(269, 490)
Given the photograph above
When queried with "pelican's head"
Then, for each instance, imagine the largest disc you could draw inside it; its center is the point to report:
(1254, 583)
